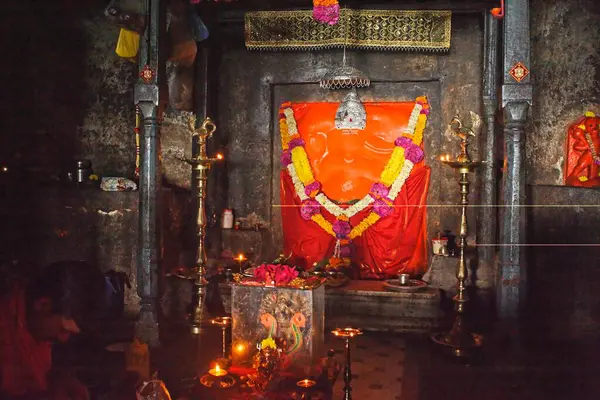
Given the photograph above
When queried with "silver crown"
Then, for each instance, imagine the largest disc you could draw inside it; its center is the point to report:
(351, 113)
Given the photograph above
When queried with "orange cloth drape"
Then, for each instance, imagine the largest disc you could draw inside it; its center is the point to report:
(347, 163)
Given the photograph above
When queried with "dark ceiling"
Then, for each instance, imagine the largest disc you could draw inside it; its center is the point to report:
(355, 4)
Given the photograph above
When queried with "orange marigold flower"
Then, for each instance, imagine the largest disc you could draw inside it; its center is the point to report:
(324, 3)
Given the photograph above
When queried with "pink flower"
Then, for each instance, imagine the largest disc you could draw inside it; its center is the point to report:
(286, 158)
(309, 208)
(341, 229)
(425, 110)
(345, 251)
(312, 187)
(383, 207)
(281, 274)
(262, 272)
(285, 274)
(327, 14)
(414, 154)
(379, 190)
(295, 143)
(403, 141)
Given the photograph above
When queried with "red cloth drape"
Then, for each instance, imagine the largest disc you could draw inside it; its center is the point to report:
(394, 244)
(347, 163)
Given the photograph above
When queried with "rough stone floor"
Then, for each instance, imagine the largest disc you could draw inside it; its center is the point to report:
(377, 366)
(392, 367)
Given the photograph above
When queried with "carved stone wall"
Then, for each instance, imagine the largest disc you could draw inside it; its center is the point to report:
(566, 74)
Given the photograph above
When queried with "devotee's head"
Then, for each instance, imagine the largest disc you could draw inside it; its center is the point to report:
(60, 298)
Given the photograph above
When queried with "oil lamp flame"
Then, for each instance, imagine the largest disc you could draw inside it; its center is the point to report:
(306, 383)
(217, 371)
(241, 257)
(240, 348)
(219, 156)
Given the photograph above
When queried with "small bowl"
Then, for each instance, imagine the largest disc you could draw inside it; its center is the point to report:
(403, 279)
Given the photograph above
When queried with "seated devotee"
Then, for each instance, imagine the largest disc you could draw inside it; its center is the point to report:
(33, 315)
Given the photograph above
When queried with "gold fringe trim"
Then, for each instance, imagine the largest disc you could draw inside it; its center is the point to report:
(367, 29)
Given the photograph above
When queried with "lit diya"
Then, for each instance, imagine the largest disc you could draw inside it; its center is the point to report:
(217, 377)
(240, 259)
(305, 386)
(346, 332)
(306, 383)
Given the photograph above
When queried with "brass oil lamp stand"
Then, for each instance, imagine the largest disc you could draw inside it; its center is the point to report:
(201, 164)
(347, 334)
(459, 339)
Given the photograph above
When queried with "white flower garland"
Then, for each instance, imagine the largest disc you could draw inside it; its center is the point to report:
(400, 179)
(367, 200)
(291, 121)
(413, 119)
(350, 212)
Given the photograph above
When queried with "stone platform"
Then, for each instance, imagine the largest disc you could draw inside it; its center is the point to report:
(369, 306)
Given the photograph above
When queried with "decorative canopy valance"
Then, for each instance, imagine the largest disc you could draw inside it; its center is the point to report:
(366, 29)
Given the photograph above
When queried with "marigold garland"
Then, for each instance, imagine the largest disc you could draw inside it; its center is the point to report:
(320, 220)
(402, 160)
(393, 167)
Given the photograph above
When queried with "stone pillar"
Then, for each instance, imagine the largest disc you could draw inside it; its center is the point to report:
(486, 228)
(516, 100)
(146, 96)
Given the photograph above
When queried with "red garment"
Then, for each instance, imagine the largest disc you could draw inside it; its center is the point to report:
(25, 362)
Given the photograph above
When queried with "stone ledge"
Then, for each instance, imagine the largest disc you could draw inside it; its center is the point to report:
(369, 306)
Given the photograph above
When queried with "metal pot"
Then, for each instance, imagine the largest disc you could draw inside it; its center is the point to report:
(83, 171)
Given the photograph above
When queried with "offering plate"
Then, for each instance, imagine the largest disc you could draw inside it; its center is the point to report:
(413, 285)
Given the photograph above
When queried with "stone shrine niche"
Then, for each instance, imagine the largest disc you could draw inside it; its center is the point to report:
(253, 85)
(582, 165)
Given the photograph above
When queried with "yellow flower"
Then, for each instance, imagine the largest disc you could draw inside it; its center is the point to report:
(393, 167)
(583, 179)
(283, 128)
(93, 177)
(418, 135)
(302, 165)
(323, 223)
(268, 343)
(365, 224)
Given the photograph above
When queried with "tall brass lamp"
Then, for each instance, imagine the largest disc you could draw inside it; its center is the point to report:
(201, 163)
(460, 340)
